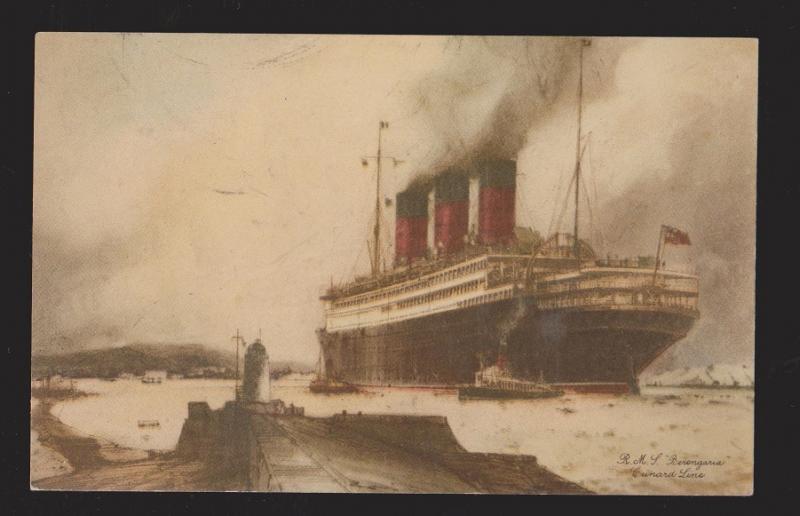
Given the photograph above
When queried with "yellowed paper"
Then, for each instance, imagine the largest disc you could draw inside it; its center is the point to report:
(329, 263)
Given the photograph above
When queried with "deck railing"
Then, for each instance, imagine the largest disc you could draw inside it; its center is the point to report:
(689, 285)
(505, 383)
(620, 300)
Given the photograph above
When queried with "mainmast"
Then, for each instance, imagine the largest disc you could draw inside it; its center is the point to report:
(584, 43)
(376, 253)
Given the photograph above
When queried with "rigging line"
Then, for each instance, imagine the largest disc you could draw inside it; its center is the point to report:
(524, 204)
(386, 237)
(590, 143)
(355, 263)
(558, 195)
(589, 206)
(588, 199)
(566, 197)
(596, 224)
(367, 243)
(563, 207)
(360, 247)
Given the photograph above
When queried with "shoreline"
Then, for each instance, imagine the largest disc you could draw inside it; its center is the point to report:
(590, 433)
(83, 452)
(101, 465)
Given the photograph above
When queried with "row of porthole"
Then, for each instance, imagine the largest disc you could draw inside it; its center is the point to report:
(444, 276)
(441, 294)
(485, 299)
(683, 301)
(618, 283)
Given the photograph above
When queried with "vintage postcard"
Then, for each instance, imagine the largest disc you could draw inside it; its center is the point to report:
(406, 264)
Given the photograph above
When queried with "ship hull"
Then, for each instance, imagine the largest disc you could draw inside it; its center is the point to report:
(472, 392)
(576, 349)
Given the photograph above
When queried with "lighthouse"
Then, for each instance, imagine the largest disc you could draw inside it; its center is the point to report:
(256, 384)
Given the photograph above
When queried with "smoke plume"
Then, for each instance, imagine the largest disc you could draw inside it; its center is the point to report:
(708, 190)
(484, 99)
(490, 93)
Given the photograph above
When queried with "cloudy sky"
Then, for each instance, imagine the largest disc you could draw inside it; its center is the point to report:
(189, 185)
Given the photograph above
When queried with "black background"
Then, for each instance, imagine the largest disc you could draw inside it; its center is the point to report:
(777, 470)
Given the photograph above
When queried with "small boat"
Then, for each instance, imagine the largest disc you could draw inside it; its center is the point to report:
(148, 423)
(325, 386)
(494, 383)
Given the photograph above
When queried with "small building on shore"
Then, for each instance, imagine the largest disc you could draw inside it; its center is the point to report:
(154, 376)
(55, 381)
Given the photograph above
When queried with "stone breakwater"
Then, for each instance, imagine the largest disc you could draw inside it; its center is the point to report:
(274, 447)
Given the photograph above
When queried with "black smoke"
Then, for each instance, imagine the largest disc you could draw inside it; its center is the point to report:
(709, 191)
(491, 92)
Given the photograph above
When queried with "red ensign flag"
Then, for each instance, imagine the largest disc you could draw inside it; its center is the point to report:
(676, 236)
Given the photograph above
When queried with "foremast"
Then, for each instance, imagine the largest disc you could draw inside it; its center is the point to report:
(376, 261)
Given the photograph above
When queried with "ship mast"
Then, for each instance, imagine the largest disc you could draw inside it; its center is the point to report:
(376, 253)
(238, 339)
(376, 231)
(584, 43)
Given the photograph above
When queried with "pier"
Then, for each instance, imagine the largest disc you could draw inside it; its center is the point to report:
(273, 447)
(254, 443)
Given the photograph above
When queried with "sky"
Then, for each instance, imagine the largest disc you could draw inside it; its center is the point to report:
(189, 185)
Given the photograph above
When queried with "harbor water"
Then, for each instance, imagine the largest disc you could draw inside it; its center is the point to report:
(668, 440)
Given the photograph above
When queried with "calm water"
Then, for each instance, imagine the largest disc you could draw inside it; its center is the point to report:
(580, 437)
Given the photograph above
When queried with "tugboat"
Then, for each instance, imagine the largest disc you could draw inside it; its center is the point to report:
(324, 385)
(494, 383)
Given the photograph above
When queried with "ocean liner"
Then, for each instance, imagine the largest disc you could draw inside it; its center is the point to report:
(544, 309)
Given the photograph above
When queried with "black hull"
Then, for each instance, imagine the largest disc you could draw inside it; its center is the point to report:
(603, 345)
(488, 393)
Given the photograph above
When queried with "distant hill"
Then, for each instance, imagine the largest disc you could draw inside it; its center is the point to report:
(138, 358)
(718, 375)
